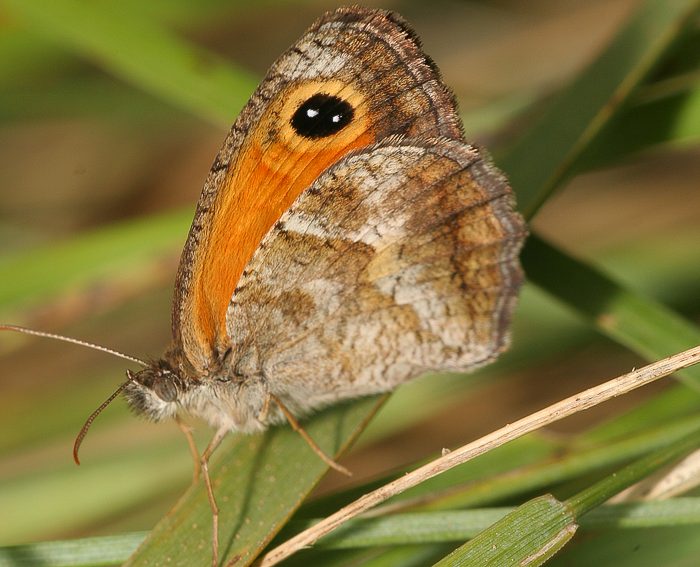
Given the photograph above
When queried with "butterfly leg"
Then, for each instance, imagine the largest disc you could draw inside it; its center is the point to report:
(306, 437)
(265, 411)
(204, 463)
(187, 430)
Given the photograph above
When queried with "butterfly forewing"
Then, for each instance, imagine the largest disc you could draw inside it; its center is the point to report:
(373, 79)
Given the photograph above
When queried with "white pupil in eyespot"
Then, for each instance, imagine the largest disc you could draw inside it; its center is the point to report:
(314, 112)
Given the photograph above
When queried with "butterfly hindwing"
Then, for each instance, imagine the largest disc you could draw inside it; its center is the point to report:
(399, 259)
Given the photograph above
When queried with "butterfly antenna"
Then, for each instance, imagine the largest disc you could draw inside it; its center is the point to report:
(88, 422)
(26, 331)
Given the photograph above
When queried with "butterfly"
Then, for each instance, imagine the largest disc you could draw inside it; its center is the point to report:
(348, 239)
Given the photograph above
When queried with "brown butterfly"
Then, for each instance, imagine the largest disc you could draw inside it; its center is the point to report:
(347, 239)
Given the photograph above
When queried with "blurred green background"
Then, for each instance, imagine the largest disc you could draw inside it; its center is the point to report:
(102, 162)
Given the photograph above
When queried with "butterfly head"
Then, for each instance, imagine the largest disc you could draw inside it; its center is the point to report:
(154, 391)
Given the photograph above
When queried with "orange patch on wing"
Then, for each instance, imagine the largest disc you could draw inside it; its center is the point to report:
(269, 184)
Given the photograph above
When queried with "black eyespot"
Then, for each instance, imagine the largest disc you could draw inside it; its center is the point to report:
(322, 115)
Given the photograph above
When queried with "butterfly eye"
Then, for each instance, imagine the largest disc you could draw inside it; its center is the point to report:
(165, 389)
(322, 115)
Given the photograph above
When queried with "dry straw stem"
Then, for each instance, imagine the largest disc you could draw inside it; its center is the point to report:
(569, 406)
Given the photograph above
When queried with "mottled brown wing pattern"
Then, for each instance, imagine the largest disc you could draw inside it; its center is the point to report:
(399, 259)
(369, 58)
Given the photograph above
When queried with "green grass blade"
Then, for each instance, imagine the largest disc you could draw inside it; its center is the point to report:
(457, 525)
(111, 482)
(664, 547)
(654, 514)
(553, 149)
(394, 530)
(555, 470)
(605, 489)
(143, 53)
(548, 153)
(629, 318)
(528, 536)
(88, 552)
(671, 119)
(407, 556)
(535, 531)
(505, 474)
(250, 475)
(683, 543)
(106, 255)
(410, 528)
(668, 405)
